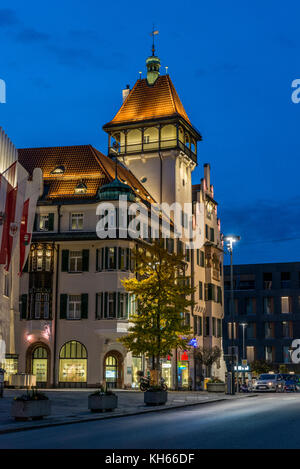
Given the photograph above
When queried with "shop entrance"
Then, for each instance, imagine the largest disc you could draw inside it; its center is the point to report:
(38, 364)
(113, 370)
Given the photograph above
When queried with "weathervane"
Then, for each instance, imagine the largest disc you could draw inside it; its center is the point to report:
(154, 33)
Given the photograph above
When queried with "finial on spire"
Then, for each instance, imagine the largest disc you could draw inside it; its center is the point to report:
(154, 33)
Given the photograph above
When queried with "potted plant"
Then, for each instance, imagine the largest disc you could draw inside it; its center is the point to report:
(155, 395)
(215, 385)
(33, 405)
(102, 400)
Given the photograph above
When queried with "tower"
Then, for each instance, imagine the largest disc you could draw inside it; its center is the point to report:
(157, 141)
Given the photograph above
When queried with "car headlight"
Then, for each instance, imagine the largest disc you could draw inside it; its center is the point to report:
(270, 384)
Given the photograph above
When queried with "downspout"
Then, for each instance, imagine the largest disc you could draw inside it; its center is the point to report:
(56, 301)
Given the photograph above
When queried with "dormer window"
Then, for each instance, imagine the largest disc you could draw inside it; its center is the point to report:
(80, 188)
(58, 170)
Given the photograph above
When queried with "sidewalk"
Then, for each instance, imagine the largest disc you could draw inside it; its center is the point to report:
(71, 406)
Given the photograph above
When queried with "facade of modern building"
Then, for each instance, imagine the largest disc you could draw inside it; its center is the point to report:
(267, 307)
(73, 304)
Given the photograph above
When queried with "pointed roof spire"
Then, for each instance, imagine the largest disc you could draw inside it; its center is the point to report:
(153, 63)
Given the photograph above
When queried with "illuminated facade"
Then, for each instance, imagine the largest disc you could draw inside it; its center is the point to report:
(73, 305)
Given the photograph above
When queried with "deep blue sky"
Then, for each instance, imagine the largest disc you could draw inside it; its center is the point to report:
(232, 63)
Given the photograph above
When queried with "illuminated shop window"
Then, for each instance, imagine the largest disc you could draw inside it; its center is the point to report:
(73, 363)
(40, 364)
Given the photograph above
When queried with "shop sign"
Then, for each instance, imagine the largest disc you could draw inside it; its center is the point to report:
(166, 365)
(184, 356)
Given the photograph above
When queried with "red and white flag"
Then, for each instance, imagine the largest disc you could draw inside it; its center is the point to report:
(27, 227)
(17, 197)
(7, 194)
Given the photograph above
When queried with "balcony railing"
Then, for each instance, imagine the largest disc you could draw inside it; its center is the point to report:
(153, 146)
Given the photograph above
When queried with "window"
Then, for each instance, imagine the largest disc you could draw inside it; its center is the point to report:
(200, 258)
(249, 305)
(209, 292)
(219, 295)
(286, 329)
(74, 307)
(214, 331)
(268, 305)
(251, 331)
(285, 304)
(268, 353)
(77, 221)
(75, 261)
(114, 305)
(41, 259)
(200, 291)
(269, 330)
(58, 170)
(81, 188)
(44, 223)
(229, 325)
(39, 304)
(212, 234)
(267, 280)
(250, 353)
(286, 354)
(146, 138)
(285, 280)
(73, 363)
(111, 258)
(207, 328)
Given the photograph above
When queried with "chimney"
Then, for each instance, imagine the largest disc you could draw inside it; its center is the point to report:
(126, 92)
(207, 175)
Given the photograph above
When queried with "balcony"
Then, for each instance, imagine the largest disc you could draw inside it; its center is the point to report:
(173, 144)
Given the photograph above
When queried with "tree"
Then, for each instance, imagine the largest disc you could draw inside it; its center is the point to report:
(208, 356)
(261, 366)
(163, 296)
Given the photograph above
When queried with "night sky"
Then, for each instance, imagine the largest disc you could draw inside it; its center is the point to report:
(232, 63)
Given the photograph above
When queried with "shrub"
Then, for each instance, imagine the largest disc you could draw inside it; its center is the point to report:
(33, 395)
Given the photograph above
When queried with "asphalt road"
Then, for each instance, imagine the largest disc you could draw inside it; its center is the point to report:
(267, 421)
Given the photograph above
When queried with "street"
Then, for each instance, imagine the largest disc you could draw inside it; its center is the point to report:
(267, 421)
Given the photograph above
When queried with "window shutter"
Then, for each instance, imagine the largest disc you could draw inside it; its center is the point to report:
(102, 259)
(106, 258)
(97, 260)
(63, 305)
(84, 305)
(127, 305)
(105, 305)
(85, 260)
(119, 258)
(96, 308)
(128, 260)
(35, 224)
(118, 305)
(115, 304)
(115, 257)
(25, 269)
(50, 221)
(65, 260)
(23, 306)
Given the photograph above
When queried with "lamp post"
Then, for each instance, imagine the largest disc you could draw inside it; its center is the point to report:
(244, 325)
(230, 240)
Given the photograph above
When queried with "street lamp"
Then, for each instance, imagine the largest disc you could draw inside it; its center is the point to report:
(230, 240)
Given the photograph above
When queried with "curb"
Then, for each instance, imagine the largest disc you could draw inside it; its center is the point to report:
(128, 414)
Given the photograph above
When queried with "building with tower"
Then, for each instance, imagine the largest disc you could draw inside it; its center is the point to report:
(73, 304)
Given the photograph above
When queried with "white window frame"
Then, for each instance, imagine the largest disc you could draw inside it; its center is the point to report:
(74, 307)
(78, 219)
(76, 257)
(44, 217)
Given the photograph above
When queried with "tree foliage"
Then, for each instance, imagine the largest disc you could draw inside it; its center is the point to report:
(163, 296)
(208, 356)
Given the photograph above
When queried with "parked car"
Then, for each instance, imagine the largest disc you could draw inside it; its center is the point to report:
(290, 383)
(269, 382)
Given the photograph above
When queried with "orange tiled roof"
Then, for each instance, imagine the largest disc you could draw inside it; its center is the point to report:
(82, 163)
(146, 102)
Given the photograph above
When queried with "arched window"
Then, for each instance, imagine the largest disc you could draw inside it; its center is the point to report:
(39, 364)
(40, 352)
(73, 363)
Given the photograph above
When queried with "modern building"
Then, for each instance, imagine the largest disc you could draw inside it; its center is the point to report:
(73, 304)
(267, 307)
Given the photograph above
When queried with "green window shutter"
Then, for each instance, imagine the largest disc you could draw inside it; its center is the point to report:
(106, 258)
(105, 305)
(115, 304)
(96, 307)
(118, 305)
(119, 258)
(35, 224)
(26, 266)
(127, 304)
(128, 262)
(97, 260)
(65, 260)
(84, 305)
(206, 231)
(202, 259)
(198, 256)
(23, 306)
(50, 221)
(200, 326)
(115, 257)
(102, 259)
(85, 260)
(63, 305)
(101, 306)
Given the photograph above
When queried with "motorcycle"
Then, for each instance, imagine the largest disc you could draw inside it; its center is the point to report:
(145, 384)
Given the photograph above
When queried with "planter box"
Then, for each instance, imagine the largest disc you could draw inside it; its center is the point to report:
(215, 387)
(155, 397)
(103, 403)
(24, 410)
(22, 380)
